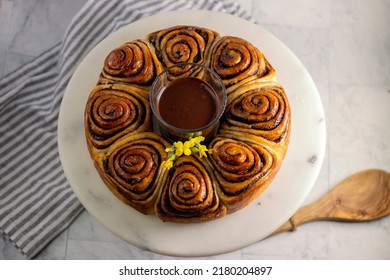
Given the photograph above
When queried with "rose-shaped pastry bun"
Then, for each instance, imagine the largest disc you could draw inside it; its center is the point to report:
(261, 110)
(131, 169)
(113, 111)
(182, 44)
(189, 195)
(131, 63)
(243, 170)
(237, 61)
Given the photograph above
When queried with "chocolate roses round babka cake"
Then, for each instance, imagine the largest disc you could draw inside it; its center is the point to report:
(244, 156)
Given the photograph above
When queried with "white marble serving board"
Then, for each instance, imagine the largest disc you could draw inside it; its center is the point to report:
(291, 186)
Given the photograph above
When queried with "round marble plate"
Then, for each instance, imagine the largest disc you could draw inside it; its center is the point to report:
(249, 225)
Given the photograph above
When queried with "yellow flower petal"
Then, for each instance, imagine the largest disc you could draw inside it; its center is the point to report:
(178, 145)
(202, 151)
(179, 148)
(179, 152)
(187, 151)
(189, 144)
(198, 139)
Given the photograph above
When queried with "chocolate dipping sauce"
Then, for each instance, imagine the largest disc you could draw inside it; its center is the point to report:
(188, 103)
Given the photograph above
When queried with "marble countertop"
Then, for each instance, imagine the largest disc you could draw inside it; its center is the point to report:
(345, 46)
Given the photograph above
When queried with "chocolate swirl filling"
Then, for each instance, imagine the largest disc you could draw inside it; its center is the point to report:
(131, 63)
(182, 44)
(235, 59)
(188, 194)
(133, 169)
(113, 111)
(262, 111)
(241, 169)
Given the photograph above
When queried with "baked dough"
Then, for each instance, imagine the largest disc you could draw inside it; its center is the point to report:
(247, 151)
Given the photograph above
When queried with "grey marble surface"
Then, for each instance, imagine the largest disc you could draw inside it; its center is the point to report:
(345, 46)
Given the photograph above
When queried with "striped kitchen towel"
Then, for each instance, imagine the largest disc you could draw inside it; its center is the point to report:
(36, 201)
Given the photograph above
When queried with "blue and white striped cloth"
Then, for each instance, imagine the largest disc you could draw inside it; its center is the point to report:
(36, 201)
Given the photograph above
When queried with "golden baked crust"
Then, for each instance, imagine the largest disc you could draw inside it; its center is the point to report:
(131, 169)
(189, 194)
(247, 151)
(243, 169)
(260, 111)
(113, 111)
(237, 62)
(182, 44)
(131, 63)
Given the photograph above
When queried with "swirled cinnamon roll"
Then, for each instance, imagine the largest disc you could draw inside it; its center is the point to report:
(245, 155)
(259, 109)
(113, 111)
(237, 61)
(182, 44)
(243, 170)
(189, 195)
(131, 169)
(131, 63)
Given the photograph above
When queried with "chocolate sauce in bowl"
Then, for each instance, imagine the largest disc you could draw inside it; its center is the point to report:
(188, 103)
